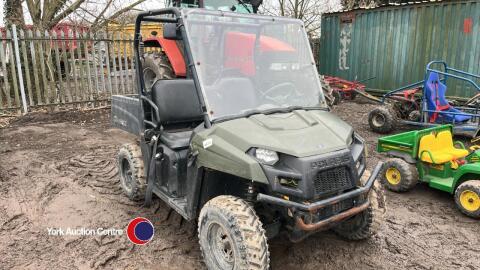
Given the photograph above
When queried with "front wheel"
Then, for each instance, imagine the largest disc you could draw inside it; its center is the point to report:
(231, 235)
(368, 222)
(398, 175)
(467, 198)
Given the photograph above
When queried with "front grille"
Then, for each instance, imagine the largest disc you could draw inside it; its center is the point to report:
(331, 180)
(336, 208)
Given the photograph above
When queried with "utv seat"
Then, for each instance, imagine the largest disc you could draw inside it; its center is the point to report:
(445, 139)
(436, 101)
(430, 151)
(179, 110)
(439, 149)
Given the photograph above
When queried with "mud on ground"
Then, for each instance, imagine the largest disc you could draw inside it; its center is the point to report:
(58, 170)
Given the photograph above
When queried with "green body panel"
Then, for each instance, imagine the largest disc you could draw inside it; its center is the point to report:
(407, 142)
(439, 176)
(443, 177)
(394, 43)
(299, 133)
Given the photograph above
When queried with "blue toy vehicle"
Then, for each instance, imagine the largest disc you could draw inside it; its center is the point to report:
(424, 104)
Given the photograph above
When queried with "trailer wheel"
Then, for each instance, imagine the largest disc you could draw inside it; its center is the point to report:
(353, 94)
(367, 223)
(381, 120)
(231, 235)
(156, 66)
(131, 171)
(467, 198)
(398, 175)
(337, 97)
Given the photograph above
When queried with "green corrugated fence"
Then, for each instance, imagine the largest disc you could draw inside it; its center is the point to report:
(395, 43)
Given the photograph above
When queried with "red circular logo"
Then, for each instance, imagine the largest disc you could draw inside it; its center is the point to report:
(140, 231)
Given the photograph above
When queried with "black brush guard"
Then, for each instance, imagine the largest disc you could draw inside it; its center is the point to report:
(316, 206)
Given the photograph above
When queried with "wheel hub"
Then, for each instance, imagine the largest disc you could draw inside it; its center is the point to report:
(378, 120)
(470, 200)
(127, 174)
(393, 176)
(221, 246)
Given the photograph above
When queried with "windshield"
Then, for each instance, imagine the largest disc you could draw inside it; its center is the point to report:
(247, 63)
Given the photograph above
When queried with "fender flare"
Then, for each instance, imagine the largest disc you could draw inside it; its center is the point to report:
(172, 51)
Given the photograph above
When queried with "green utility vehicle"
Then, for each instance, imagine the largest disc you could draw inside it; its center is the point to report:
(430, 156)
(241, 140)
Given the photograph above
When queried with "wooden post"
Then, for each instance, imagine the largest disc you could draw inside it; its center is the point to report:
(114, 61)
(35, 67)
(89, 89)
(64, 50)
(12, 59)
(6, 85)
(26, 64)
(107, 62)
(19, 68)
(61, 86)
(43, 71)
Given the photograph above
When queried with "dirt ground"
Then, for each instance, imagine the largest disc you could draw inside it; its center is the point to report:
(58, 170)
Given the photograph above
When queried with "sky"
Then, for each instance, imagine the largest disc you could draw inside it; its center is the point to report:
(149, 4)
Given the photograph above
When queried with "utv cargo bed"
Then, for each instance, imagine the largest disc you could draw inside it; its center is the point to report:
(406, 144)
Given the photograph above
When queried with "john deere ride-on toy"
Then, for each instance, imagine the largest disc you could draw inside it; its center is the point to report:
(430, 156)
(241, 141)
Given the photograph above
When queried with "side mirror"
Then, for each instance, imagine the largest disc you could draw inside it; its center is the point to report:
(171, 32)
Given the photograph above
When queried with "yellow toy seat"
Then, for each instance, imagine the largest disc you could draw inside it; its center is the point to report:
(431, 149)
(444, 139)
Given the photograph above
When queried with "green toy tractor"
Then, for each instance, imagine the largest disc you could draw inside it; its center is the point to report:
(430, 156)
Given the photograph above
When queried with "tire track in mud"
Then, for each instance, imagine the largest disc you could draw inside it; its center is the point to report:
(98, 171)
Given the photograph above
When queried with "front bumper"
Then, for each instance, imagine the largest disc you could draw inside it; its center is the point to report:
(296, 208)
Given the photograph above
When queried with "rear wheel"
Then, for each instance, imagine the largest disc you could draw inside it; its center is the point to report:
(131, 171)
(231, 235)
(398, 175)
(414, 116)
(156, 66)
(467, 198)
(381, 120)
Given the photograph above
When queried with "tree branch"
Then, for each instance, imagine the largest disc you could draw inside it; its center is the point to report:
(116, 14)
(97, 19)
(64, 13)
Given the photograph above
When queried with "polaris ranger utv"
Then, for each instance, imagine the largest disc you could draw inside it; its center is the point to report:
(243, 142)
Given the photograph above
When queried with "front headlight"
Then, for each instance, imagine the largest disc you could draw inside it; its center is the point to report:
(352, 139)
(265, 156)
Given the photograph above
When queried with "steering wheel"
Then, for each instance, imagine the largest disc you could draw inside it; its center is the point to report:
(280, 99)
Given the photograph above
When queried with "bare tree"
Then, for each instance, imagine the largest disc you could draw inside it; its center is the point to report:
(352, 4)
(309, 11)
(46, 14)
(13, 13)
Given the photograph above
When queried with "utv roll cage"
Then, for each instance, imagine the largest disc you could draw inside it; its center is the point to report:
(174, 30)
(160, 16)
